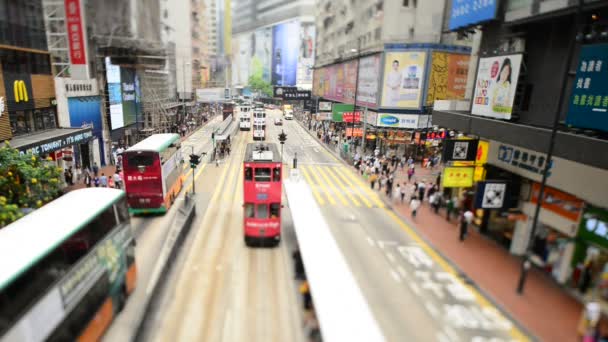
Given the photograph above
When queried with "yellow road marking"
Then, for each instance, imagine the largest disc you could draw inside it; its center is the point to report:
(480, 299)
(374, 196)
(315, 192)
(227, 189)
(360, 193)
(331, 185)
(319, 183)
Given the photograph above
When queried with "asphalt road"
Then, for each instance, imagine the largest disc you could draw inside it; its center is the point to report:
(223, 290)
(414, 294)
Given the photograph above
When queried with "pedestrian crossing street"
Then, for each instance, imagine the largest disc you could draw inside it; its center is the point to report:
(336, 185)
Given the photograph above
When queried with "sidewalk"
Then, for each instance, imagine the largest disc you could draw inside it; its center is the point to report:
(544, 308)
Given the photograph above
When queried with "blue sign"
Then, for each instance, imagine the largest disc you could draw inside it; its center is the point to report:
(469, 12)
(285, 50)
(389, 120)
(86, 111)
(261, 197)
(589, 100)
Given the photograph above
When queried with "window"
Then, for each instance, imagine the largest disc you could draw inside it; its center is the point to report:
(276, 174)
(248, 174)
(249, 210)
(262, 211)
(275, 210)
(135, 160)
(262, 174)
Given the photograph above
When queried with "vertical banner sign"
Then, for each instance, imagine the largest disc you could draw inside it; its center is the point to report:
(589, 100)
(460, 150)
(75, 26)
(495, 86)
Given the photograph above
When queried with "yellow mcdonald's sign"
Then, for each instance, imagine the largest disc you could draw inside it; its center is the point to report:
(20, 91)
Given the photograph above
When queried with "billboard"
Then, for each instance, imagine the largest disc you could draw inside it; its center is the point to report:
(403, 79)
(306, 57)
(495, 86)
(114, 94)
(448, 77)
(129, 106)
(261, 52)
(318, 81)
(337, 82)
(86, 110)
(285, 50)
(210, 95)
(367, 89)
(469, 12)
(589, 100)
(241, 45)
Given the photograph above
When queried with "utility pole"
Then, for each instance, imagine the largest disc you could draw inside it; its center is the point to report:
(184, 65)
(526, 264)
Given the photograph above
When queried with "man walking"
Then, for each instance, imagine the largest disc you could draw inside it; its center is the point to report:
(414, 205)
(103, 180)
(465, 220)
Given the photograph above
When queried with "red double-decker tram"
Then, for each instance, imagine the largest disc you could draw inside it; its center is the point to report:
(262, 176)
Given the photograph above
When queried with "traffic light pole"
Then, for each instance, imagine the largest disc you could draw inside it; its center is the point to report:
(193, 168)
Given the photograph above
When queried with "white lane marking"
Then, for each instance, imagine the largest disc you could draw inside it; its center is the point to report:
(432, 309)
(315, 149)
(395, 276)
(390, 256)
(387, 243)
(414, 287)
(402, 272)
(370, 241)
(442, 338)
(451, 333)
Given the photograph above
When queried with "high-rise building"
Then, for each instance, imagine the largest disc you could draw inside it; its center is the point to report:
(273, 40)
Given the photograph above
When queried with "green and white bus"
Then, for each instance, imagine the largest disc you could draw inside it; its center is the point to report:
(67, 268)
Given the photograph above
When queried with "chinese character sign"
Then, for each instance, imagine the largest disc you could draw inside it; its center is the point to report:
(495, 86)
(76, 38)
(468, 12)
(458, 177)
(589, 100)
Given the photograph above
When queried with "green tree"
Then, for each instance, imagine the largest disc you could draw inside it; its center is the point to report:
(257, 83)
(26, 181)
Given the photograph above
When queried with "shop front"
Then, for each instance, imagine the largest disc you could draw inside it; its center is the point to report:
(589, 278)
(60, 144)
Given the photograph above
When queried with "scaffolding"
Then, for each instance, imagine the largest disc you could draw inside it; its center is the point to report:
(56, 36)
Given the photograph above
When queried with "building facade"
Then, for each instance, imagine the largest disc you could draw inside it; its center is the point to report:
(391, 58)
(522, 86)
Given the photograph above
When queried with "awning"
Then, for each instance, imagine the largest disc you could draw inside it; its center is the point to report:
(51, 140)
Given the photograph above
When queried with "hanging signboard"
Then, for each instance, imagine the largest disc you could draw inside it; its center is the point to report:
(491, 195)
(460, 150)
(457, 177)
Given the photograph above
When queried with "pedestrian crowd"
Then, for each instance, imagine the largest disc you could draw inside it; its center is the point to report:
(93, 177)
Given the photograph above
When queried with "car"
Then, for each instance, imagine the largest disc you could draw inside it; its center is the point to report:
(278, 122)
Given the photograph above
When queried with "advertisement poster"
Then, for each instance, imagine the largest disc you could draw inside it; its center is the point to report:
(317, 83)
(367, 89)
(306, 58)
(457, 177)
(285, 50)
(469, 12)
(339, 81)
(589, 100)
(261, 52)
(403, 79)
(114, 94)
(129, 107)
(448, 78)
(87, 111)
(324, 106)
(495, 86)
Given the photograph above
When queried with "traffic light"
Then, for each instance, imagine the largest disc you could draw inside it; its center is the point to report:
(282, 137)
(194, 160)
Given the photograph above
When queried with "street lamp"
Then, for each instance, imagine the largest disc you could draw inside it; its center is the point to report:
(352, 132)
